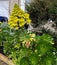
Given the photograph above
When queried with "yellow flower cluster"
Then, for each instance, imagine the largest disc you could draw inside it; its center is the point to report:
(18, 18)
(0, 22)
(32, 37)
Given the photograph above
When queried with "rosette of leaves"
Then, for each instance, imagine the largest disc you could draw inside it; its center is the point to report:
(4, 32)
(30, 52)
(28, 49)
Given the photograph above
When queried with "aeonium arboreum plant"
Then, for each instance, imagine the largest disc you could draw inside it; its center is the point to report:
(24, 47)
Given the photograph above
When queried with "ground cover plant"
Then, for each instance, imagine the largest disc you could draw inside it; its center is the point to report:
(23, 47)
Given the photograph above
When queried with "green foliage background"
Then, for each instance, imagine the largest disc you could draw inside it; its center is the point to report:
(42, 10)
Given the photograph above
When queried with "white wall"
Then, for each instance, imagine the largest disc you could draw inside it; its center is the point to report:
(4, 8)
(22, 4)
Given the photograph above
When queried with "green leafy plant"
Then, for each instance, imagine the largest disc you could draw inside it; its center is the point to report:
(24, 51)
(24, 47)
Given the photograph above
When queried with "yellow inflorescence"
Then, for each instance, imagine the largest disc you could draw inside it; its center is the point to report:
(32, 37)
(0, 22)
(18, 18)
